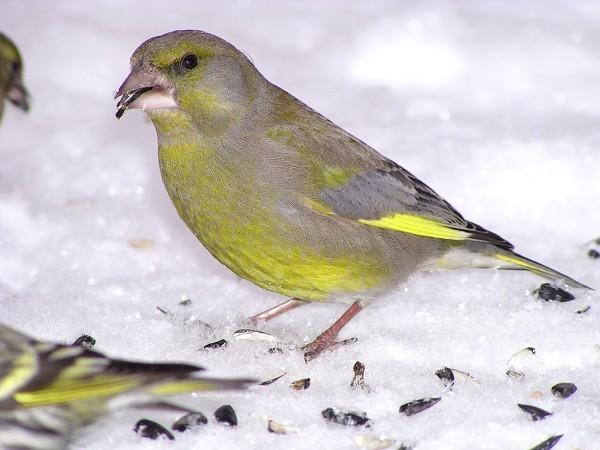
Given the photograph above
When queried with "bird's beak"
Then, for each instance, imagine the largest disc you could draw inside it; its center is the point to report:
(146, 90)
(18, 95)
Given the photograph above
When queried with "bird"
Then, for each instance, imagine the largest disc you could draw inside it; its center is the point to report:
(48, 391)
(12, 87)
(285, 198)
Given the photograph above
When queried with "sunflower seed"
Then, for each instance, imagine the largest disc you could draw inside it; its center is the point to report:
(217, 344)
(279, 428)
(85, 341)
(371, 442)
(446, 376)
(272, 380)
(190, 420)
(346, 418)
(226, 414)
(548, 443)
(358, 381)
(535, 412)
(300, 385)
(417, 406)
(551, 293)
(254, 335)
(152, 430)
(563, 390)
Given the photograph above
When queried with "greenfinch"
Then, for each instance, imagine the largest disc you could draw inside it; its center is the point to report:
(11, 76)
(284, 197)
(48, 391)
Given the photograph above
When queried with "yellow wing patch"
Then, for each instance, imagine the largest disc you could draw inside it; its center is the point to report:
(71, 390)
(23, 369)
(420, 226)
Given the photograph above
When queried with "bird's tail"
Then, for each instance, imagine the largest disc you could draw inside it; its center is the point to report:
(479, 255)
(201, 384)
(510, 260)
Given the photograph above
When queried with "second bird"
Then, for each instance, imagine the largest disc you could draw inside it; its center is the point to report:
(284, 197)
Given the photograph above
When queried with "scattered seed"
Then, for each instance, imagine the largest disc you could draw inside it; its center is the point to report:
(519, 359)
(446, 376)
(346, 418)
(185, 302)
(217, 344)
(165, 311)
(594, 254)
(85, 341)
(417, 406)
(275, 351)
(535, 412)
(226, 414)
(272, 380)
(190, 420)
(152, 430)
(518, 376)
(254, 335)
(300, 385)
(279, 428)
(404, 446)
(550, 293)
(358, 380)
(371, 442)
(583, 310)
(536, 395)
(548, 443)
(348, 341)
(141, 244)
(563, 390)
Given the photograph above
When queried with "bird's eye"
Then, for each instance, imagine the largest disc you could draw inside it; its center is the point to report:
(189, 61)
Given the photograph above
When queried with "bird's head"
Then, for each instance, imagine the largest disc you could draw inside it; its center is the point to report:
(11, 74)
(192, 73)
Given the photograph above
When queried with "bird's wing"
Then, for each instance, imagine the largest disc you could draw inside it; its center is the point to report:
(391, 197)
(354, 181)
(46, 374)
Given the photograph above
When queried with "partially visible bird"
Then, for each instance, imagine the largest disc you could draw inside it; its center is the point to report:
(48, 391)
(284, 197)
(11, 76)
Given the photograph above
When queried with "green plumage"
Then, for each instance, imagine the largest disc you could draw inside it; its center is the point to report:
(282, 196)
(49, 390)
(11, 73)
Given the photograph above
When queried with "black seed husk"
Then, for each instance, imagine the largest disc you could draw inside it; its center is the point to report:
(152, 430)
(272, 380)
(85, 341)
(594, 254)
(552, 293)
(190, 420)
(300, 385)
(446, 376)
(563, 390)
(417, 406)
(226, 414)
(548, 443)
(217, 344)
(349, 418)
(534, 412)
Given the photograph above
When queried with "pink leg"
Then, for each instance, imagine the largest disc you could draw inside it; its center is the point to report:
(325, 339)
(277, 310)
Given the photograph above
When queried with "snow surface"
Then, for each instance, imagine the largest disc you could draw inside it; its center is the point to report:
(494, 105)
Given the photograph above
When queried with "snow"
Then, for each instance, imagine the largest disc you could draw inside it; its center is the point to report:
(494, 105)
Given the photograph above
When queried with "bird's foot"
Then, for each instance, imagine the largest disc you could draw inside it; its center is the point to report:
(323, 343)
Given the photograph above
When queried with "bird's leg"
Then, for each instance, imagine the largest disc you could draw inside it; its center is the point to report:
(325, 339)
(277, 310)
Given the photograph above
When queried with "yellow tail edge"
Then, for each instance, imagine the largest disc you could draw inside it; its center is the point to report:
(519, 262)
